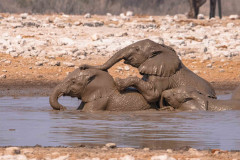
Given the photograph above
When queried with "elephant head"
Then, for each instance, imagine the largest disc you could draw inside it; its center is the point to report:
(87, 85)
(184, 98)
(149, 57)
(73, 85)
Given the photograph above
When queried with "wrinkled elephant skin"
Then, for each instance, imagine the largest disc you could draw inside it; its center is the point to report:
(98, 92)
(161, 69)
(187, 98)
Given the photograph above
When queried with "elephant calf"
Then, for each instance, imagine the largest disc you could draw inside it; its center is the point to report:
(98, 91)
(187, 98)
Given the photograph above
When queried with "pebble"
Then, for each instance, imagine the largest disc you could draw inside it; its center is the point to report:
(12, 151)
(162, 157)
(68, 64)
(88, 15)
(55, 63)
(3, 76)
(169, 150)
(127, 157)
(146, 149)
(39, 63)
(111, 145)
(234, 17)
(209, 65)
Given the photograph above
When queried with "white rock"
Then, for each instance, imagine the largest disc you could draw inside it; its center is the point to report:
(88, 15)
(233, 17)
(24, 15)
(230, 25)
(169, 150)
(109, 14)
(68, 64)
(146, 149)
(27, 151)
(201, 16)
(11, 150)
(3, 76)
(66, 41)
(127, 157)
(129, 13)
(209, 65)
(162, 157)
(127, 68)
(62, 158)
(13, 157)
(95, 37)
(77, 23)
(39, 63)
(111, 145)
(54, 63)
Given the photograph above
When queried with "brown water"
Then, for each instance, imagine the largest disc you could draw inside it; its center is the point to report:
(27, 121)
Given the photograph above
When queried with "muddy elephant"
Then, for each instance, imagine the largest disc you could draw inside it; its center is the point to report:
(189, 99)
(196, 4)
(161, 69)
(98, 92)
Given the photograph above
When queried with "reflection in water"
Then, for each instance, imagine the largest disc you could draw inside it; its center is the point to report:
(27, 121)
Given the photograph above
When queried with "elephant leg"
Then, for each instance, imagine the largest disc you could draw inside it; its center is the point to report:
(212, 8)
(191, 13)
(96, 105)
(146, 88)
(81, 106)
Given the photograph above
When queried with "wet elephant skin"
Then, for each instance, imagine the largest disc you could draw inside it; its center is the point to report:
(98, 92)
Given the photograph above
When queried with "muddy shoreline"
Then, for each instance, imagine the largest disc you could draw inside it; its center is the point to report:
(39, 88)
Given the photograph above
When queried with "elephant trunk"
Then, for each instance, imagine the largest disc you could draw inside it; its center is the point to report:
(121, 54)
(53, 99)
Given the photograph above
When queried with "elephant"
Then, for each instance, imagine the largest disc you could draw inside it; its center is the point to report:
(98, 92)
(196, 4)
(161, 69)
(189, 99)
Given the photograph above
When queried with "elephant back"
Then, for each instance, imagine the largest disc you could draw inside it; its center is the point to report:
(127, 101)
(185, 77)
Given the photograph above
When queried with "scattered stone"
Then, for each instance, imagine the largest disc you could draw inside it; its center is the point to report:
(169, 150)
(13, 157)
(127, 157)
(111, 145)
(196, 71)
(68, 64)
(221, 70)
(24, 15)
(109, 14)
(94, 24)
(66, 41)
(162, 157)
(3, 76)
(77, 23)
(146, 149)
(88, 15)
(234, 17)
(55, 63)
(129, 13)
(209, 65)
(126, 68)
(12, 151)
(39, 63)
(95, 37)
(4, 70)
(201, 16)
(194, 151)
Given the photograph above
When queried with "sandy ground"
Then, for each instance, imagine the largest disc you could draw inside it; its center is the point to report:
(103, 153)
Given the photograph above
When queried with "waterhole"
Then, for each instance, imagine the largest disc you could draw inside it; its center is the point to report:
(27, 121)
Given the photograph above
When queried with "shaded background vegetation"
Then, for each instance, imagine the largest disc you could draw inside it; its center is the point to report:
(149, 7)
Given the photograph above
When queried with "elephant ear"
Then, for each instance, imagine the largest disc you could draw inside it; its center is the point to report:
(161, 64)
(100, 84)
